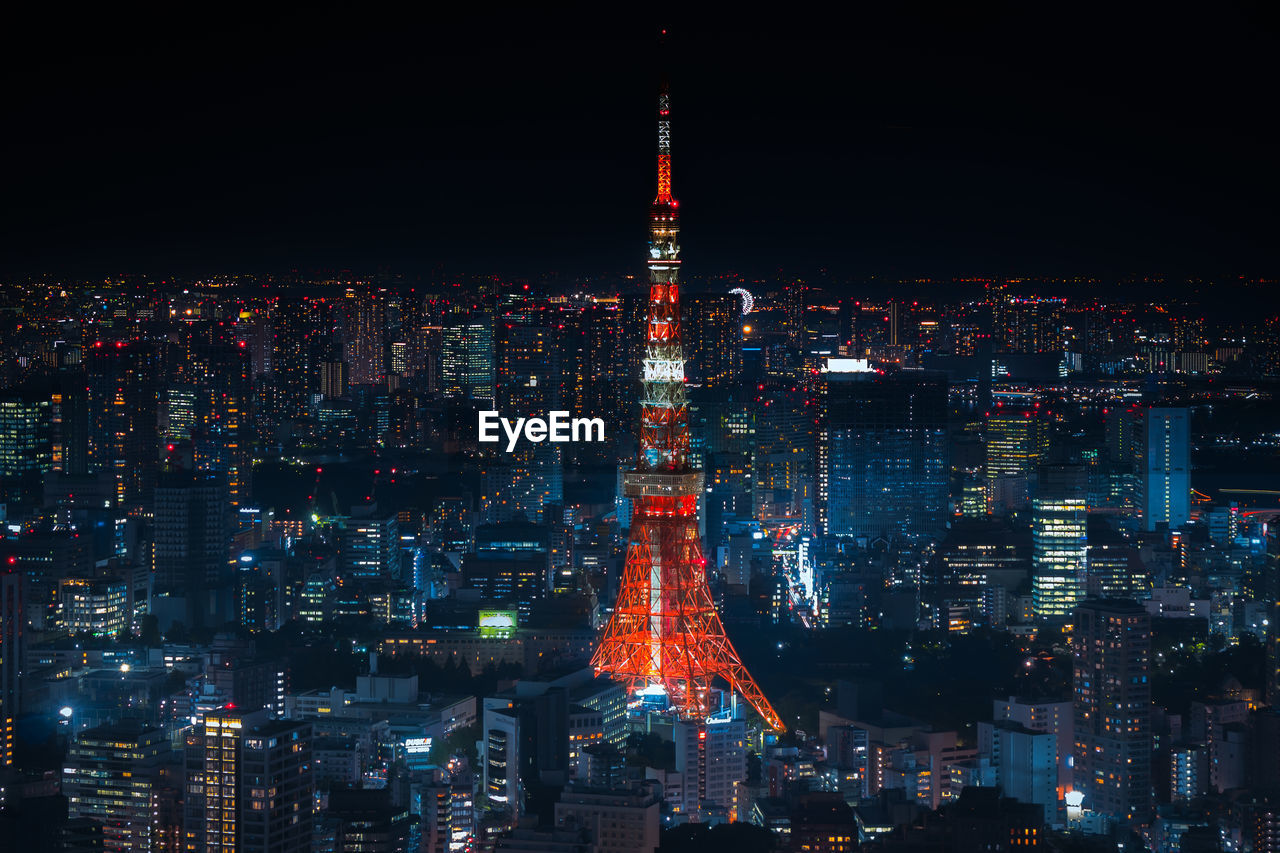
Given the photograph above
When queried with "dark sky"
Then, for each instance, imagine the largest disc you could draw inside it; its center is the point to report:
(936, 143)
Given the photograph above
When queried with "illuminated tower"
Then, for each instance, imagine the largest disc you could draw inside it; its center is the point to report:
(665, 633)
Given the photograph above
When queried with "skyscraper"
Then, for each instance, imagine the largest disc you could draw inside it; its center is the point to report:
(12, 623)
(1111, 646)
(1017, 442)
(1166, 468)
(191, 553)
(370, 549)
(714, 343)
(882, 452)
(711, 759)
(1059, 541)
(298, 329)
(123, 402)
(250, 785)
(26, 443)
(466, 362)
(528, 383)
(364, 327)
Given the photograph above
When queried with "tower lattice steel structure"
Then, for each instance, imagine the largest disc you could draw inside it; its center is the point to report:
(665, 631)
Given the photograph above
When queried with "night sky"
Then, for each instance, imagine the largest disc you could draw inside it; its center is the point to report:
(942, 144)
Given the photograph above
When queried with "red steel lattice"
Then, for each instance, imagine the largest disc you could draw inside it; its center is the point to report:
(665, 630)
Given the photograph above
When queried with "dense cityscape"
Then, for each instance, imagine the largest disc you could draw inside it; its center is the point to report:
(797, 562)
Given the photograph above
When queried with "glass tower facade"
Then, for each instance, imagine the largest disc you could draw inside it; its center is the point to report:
(882, 454)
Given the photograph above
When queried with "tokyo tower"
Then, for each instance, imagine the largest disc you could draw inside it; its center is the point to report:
(665, 634)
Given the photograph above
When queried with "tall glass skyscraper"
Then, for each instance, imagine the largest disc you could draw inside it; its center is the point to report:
(466, 364)
(1059, 541)
(1166, 468)
(882, 452)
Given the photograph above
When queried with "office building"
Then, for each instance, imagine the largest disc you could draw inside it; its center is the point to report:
(123, 777)
(712, 342)
(363, 315)
(366, 821)
(1017, 443)
(250, 785)
(711, 760)
(191, 555)
(1059, 541)
(26, 444)
(370, 549)
(1111, 645)
(466, 362)
(95, 606)
(123, 404)
(1025, 761)
(882, 453)
(1043, 715)
(12, 628)
(1166, 468)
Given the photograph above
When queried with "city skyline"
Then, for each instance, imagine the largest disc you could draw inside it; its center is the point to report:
(846, 562)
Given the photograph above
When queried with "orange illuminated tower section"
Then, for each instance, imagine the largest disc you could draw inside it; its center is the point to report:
(665, 634)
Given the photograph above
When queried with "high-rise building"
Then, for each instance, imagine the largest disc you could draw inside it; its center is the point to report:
(250, 784)
(1059, 541)
(363, 314)
(1166, 468)
(299, 330)
(1026, 763)
(220, 436)
(333, 379)
(446, 814)
(711, 760)
(713, 343)
(467, 362)
(71, 422)
(528, 383)
(96, 606)
(511, 564)
(1050, 716)
(26, 443)
(12, 624)
(526, 749)
(882, 452)
(370, 549)
(1115, 569)
(1111, 645)
(119, 776)
(1017, 443)
(124, 404)
(191, 554)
